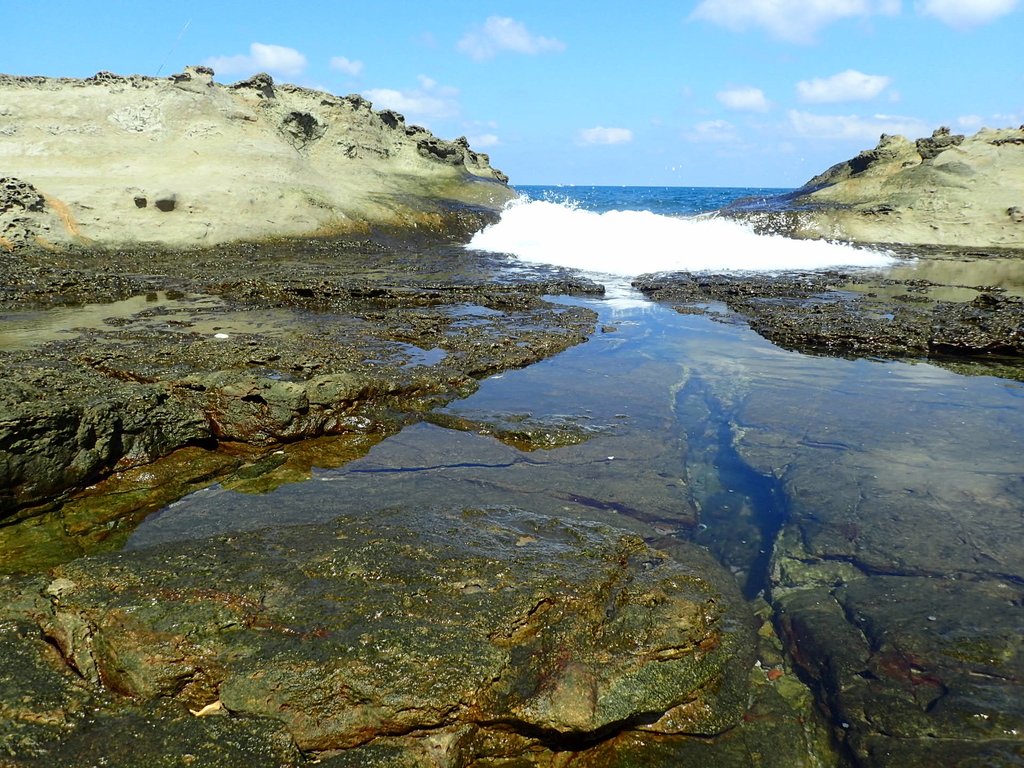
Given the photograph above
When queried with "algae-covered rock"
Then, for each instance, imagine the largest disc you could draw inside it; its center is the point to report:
(533, 633)
(903, 663)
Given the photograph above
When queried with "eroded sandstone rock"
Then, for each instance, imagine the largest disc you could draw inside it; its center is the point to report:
(244, 162)
(946, 190)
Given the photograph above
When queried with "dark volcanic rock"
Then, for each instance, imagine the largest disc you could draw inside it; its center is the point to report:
(248, 346)
(896, 314)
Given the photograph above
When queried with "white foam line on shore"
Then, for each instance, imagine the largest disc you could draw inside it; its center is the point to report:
(630, 243)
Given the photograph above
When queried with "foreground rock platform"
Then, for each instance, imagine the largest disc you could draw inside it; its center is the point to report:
(184, 161)
(447, 636)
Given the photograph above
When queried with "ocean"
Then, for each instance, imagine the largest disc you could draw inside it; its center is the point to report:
(627, 231)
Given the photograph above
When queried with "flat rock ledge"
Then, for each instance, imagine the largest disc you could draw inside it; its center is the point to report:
(183, 161)
(946, 189)
(447, 637)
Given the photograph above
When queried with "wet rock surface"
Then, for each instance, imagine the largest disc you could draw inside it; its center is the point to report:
(895, 569)
(963, 310)
(540, 636)
(880, 556)
(150, 352)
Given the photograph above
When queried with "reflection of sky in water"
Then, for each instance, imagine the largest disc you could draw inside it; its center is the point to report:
(914, 451)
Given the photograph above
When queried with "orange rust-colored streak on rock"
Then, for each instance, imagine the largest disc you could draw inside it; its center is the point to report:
(65, 215)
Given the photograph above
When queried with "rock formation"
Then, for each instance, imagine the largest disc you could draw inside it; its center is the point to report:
(184, 161)
(947, 190)
(450, 637)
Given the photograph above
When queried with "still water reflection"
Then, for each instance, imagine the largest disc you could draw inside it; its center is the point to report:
(699, 428)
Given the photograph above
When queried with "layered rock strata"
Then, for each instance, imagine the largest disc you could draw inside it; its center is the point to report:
(947, 189)
(184, 161)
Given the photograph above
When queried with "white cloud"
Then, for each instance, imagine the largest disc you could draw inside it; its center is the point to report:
(813, 126)
(744, 99)
(347, 66)
(430, 101)
(713, 132)
(963, 14)
(796, 21)
(850, 85)
(276, 59)
(602, 135)
(970, 121)
(500, 33)
(484, 140)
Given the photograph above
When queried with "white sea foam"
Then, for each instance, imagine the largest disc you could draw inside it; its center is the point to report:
(630, 243)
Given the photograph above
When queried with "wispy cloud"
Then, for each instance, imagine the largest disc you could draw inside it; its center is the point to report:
(602, 135)
(850, 85)
(276, 59)
(484, 140)
(796, 21)
(501, 33)
(348, 66)
(963, 14)
(744, 99)
(430, 101)
(811, 126)
(712, 132)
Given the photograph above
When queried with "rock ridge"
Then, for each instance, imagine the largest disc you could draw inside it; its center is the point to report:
(181, 161)
(944, 190)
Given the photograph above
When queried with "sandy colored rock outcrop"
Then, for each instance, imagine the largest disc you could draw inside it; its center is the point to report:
(947, 190)
(184, 161)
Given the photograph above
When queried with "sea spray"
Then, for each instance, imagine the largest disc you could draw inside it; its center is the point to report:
(634, 242)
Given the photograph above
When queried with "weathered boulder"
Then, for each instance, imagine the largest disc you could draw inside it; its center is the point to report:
(109, 158)
(468, 634)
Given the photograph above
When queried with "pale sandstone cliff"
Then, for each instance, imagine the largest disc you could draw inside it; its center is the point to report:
(945, 190)
(185, 161)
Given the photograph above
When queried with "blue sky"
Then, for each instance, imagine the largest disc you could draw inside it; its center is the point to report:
(709, 92)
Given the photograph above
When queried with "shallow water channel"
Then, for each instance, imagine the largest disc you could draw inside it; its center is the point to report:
(695, 427)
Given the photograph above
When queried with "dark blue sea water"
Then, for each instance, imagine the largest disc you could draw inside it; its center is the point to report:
(666, 201)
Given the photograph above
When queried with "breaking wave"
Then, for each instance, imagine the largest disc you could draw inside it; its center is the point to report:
(629, 243)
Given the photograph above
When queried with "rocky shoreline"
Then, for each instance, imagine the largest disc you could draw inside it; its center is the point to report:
(256, 347)
(944, 190)
(958, 309)
(142, 363)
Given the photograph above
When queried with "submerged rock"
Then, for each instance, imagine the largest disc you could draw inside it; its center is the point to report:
(470, 635)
